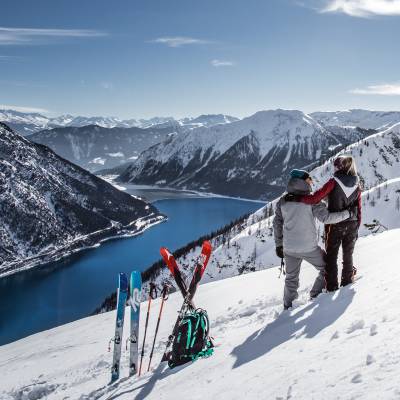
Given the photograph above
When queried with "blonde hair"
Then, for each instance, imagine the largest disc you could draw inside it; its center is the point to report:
(346, 164)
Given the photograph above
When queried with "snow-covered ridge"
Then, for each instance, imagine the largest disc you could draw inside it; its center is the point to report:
(246, 158)
(344, 344)
(362, 118)
(50, 207)
(28, 123)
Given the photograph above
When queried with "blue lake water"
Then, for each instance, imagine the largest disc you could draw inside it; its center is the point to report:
(46, 297)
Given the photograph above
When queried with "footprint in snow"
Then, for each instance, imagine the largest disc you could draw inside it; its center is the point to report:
(373, 330)
(357, 378)
(356, 325)
(335, 336)
(370, 359)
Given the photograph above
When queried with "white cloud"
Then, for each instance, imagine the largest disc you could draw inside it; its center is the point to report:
(222, 63)
(178, 41)
(364, 8)
(24, 109)
(386, 89)
(28, 36)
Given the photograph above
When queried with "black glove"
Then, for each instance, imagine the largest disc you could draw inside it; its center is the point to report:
(292, 197)
(353, 211)
(279, 251)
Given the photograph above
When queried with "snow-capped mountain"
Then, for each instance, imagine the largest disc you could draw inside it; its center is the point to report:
(246, 158)
(358, 118)
(340, 346)
(207, 120)
(93, 147)
(49, 207)
(377, 158)
(28, 123)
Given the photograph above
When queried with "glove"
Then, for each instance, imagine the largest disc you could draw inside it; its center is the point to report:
(292, 197)
(353, 211)
(279, 251)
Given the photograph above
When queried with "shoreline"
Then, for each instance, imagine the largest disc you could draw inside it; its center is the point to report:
(114, 232)
(183, 193)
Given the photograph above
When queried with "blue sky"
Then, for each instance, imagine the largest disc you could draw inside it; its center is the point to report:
(134, 59)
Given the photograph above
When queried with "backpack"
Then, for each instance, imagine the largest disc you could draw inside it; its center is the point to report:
(192, 340)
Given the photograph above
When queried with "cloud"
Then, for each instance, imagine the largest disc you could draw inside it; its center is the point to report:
(24, 109)
(107, 85)
(363, 8)
(386, 89)
(178, 41)
(28, 36)
(222, 63)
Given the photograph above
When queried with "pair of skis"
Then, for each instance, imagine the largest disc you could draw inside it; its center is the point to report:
(135, 289)
(187, 292)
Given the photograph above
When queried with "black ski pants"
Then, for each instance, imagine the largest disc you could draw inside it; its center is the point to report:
(343, 234)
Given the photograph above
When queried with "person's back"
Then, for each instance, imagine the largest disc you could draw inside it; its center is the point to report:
(296, 237)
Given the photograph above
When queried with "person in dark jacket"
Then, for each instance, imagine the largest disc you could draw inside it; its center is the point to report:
(343, 191)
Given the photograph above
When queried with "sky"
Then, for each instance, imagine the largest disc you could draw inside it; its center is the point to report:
(145, 58)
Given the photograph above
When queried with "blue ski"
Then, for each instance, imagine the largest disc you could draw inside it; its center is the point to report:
(122, 295)
(134, 301)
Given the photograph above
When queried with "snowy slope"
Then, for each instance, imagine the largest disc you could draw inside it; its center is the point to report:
(247, 158)
(361, 118)
(341, 346)
(377, 158)
(250, 246)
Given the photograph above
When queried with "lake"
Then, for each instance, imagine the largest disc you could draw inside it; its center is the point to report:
(52, 295)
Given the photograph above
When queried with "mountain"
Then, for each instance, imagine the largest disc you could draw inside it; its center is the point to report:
(24, 123)
(93, 147)
(247, 158)
(340, 346)
(28, 123)
(377, 158)
(358, 118)
(50, 207)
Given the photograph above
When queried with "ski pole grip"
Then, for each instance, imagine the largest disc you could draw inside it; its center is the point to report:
(165, 292)
(153, 291)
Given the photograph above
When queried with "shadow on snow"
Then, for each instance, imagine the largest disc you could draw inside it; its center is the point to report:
(306, 322)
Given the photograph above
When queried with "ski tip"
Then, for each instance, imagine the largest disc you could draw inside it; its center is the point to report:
(164, 251)
(207, 245)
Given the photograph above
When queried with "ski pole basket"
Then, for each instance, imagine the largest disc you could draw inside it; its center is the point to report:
(192, 340)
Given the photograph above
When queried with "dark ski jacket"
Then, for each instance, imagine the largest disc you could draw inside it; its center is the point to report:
(342, 191)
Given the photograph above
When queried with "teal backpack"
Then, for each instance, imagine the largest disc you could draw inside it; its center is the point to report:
(192, 340)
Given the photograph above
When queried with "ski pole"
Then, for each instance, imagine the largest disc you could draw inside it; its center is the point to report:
(282, 269)
(164, 298)
(152, 295)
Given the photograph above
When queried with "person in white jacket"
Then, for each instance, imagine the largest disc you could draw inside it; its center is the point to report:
(296, 236)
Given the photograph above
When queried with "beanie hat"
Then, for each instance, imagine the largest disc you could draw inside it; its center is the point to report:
(299, 173)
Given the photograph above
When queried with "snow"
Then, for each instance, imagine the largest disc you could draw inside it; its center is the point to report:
(98, 160)
(341, 346)
(117, 154)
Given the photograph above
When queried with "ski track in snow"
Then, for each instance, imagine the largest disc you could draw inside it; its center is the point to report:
(340, 346)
